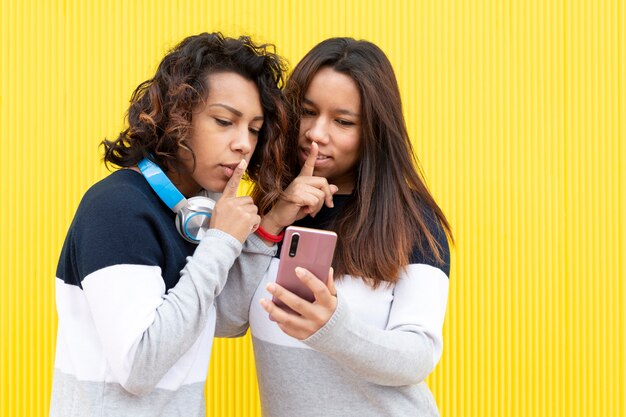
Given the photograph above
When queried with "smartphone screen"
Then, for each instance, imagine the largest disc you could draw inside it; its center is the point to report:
(312, 249)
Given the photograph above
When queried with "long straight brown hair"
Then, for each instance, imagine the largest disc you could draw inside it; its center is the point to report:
(387, 216)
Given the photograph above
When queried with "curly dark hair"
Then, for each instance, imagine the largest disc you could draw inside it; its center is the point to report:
(159, 116)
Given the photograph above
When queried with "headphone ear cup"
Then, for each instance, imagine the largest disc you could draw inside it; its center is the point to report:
(193, 221)
(180, 225)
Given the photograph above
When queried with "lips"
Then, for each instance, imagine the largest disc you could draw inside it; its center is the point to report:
(320, 157)
(229, 169)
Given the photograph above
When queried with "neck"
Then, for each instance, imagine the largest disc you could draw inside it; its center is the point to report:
(185, 184)
(345, 185)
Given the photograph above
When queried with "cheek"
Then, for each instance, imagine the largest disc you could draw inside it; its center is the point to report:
(202, 130)
(205, 150)
(305, 124)
(351, 145)
(253, 147)
(185, 157)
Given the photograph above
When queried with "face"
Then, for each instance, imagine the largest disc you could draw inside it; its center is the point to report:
(331, 117)
(224, 130)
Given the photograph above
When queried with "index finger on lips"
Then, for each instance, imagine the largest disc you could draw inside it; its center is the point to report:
(233, 183)
(309, 164)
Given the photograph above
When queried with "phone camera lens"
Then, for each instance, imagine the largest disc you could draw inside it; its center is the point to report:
(293, 246)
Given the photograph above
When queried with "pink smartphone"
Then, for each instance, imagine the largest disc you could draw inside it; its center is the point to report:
(312, 249)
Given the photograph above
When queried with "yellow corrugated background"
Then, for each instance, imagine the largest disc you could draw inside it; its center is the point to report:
(516, 109)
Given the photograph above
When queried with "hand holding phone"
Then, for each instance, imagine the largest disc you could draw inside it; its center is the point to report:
(311, 249)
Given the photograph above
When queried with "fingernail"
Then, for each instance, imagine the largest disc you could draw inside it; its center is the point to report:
(299, 271)
(270, 287)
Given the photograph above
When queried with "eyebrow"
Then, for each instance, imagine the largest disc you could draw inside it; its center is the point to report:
(340, 111)
(234, 111)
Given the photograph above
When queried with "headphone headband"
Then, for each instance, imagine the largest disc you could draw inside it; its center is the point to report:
(162, 185)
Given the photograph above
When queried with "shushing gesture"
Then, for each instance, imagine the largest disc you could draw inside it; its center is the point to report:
(237, 216)
(305, 195)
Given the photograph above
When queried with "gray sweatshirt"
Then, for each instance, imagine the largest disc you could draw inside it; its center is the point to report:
(371, 357)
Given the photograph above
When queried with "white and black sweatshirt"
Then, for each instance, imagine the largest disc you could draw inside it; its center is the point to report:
(136, 305)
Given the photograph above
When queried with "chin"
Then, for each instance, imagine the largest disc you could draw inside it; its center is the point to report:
(216, 186)
(214, 189)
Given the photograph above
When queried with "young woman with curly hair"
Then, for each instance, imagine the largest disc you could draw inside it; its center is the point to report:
(135, 333)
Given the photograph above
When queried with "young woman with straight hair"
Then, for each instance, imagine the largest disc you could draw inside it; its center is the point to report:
(374, 332)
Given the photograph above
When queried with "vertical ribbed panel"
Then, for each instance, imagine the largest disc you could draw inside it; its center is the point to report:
(516, 110)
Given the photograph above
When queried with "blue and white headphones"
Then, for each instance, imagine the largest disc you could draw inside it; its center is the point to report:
(192, 215)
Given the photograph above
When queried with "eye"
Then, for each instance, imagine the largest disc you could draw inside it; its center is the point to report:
(223, 122)
(307, 112)
(255, 132)
(344, 122)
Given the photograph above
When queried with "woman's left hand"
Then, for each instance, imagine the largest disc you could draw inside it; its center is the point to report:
(313, 316)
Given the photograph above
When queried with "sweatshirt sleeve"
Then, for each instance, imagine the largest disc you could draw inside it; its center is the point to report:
(120, 253)
(233, 304)
(408, 348)
(143, 332)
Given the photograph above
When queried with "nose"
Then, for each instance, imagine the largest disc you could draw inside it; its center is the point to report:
(242, 143)
(317, 131)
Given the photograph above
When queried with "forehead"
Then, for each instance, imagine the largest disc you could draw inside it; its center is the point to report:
(235, 91)
(331, 88)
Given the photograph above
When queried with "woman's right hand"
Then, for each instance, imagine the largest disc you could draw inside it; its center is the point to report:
(305, 195)
(237, 216)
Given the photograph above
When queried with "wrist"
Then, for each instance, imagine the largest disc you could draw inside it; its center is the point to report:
(269, 237)
(270, 225)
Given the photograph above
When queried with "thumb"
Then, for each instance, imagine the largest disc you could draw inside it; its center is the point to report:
(330, 283)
